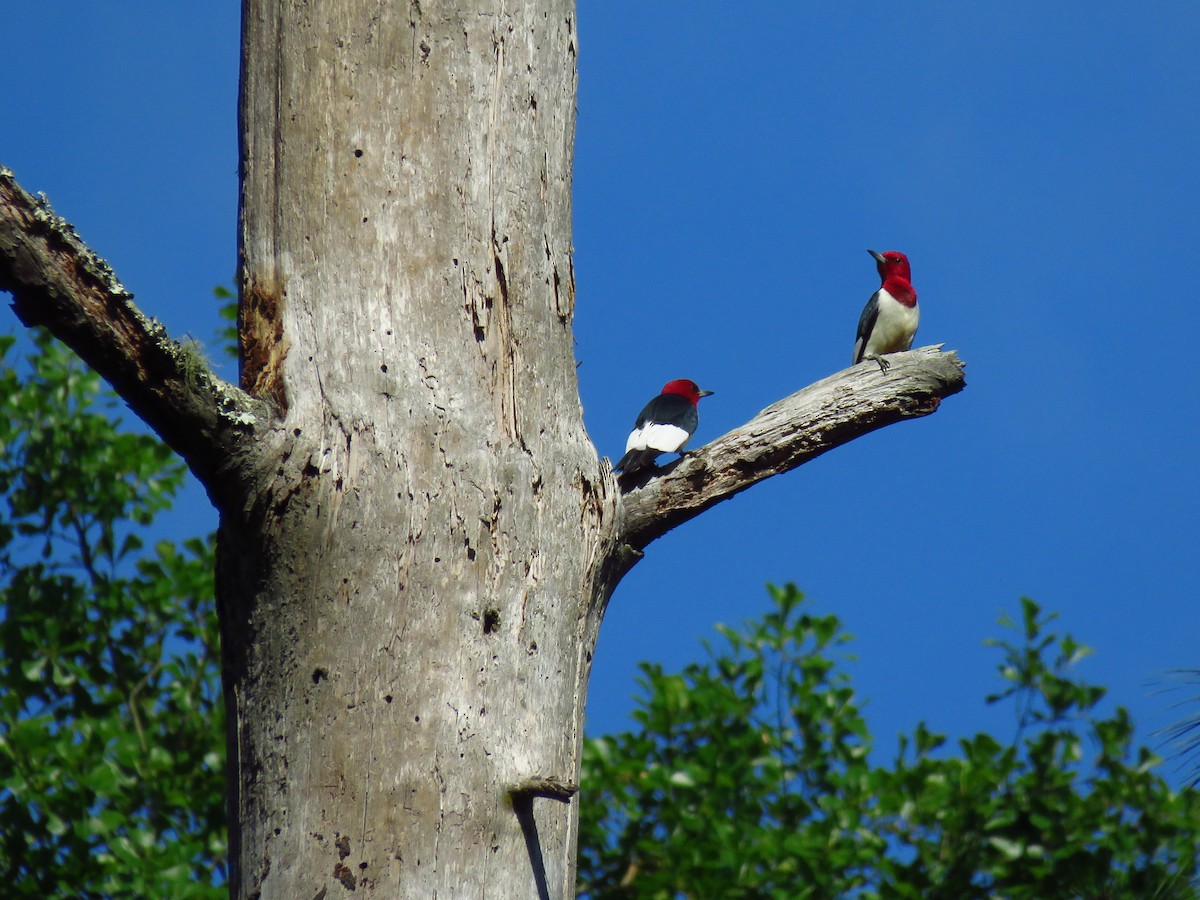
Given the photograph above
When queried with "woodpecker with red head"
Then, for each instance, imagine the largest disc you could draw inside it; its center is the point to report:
(664, 426)
(889, 320)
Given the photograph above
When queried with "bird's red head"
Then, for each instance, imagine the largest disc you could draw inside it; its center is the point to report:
(895, 276)
(685, 388)
(892, 264)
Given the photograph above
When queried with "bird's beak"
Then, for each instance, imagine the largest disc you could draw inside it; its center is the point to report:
(707, 393)
(878, 257)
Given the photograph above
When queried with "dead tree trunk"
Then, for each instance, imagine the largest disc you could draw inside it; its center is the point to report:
(417, 538)
(407, 619)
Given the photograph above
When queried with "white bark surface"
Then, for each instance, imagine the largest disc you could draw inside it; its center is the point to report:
(406, 604)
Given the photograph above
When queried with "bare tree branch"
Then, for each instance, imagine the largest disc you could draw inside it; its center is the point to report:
(832, 412)
(58, 282)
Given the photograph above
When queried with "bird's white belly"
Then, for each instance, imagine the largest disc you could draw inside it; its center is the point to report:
(895, 328)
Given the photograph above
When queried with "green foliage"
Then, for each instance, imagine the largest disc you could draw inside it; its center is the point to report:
(227, 334)
(111, 718)
(749, 777)
(1184, 735)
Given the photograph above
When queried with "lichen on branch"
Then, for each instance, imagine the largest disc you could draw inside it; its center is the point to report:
(58, 282)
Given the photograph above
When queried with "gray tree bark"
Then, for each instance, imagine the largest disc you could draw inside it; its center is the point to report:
(417, 538)
(408, 623)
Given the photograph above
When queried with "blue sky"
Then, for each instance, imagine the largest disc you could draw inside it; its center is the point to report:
(1038, 164)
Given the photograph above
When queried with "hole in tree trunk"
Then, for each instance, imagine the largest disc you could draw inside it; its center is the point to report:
(491, 620)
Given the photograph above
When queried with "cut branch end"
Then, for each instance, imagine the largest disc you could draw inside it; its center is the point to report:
(551, 787)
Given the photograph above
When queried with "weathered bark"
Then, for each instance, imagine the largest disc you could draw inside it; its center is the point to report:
(408, 593)
(417, 539)
(56, 280)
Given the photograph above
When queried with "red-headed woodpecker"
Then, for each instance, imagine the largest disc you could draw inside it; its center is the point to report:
(889, 320)
(664, 426)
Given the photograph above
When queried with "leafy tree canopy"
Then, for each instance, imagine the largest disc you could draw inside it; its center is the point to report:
(749, 775)
(112, 761)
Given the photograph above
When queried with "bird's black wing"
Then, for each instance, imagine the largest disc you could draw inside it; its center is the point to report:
(647, 413)
(671, 409)
(866, 323)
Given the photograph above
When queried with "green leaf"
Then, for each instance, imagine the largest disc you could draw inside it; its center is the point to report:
(715, 787)
(33, 669)
(111, 772)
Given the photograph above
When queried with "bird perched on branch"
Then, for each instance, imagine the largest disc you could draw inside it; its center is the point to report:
(664, 426)
(889, 321)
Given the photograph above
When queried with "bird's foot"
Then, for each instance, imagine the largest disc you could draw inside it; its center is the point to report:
(884, 365)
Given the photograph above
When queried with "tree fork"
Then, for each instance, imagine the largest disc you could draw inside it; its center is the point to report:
(417, 539)
(786, 435)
